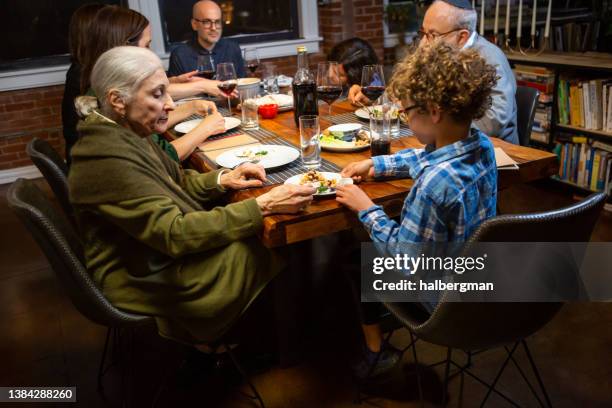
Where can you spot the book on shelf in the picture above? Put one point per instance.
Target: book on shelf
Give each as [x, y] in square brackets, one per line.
[585, 103]
[584, 162]
[542, 79]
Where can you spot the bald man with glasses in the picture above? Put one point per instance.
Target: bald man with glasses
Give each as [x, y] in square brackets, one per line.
[207, 23]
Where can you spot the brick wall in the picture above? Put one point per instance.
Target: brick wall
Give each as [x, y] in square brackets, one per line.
[29, 113]
[25, 114]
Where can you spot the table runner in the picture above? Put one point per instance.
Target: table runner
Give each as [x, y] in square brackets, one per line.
[350, 117]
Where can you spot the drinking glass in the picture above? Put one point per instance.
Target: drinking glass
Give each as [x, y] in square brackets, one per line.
[380, 131]
[372, 81]
[270, 80]
[205, 66]
[248, 106]
[227, 75]
[329, 87]
[251, 59]
[394, 117]
[309, 141]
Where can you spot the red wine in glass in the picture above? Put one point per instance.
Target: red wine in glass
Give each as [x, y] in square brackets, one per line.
[208, 74]
[252, 67]
[373, 92]
[380, 147]
[227, 87]
[329, 93]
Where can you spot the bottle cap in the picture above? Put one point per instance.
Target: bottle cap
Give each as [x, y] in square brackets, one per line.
[301, 48]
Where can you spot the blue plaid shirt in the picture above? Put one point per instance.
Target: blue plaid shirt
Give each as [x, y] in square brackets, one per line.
[454, 191]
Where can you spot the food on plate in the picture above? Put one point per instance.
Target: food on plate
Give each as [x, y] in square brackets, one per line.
[275, 99]
[378, 112]
[317, 180]
[332, 138]
[251, 154]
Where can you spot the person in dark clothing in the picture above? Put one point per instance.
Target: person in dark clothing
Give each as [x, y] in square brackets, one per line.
[207, 23]
[352, 55]
[80, 23]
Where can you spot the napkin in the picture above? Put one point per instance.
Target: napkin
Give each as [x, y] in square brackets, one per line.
[504, 162]
[214, 148]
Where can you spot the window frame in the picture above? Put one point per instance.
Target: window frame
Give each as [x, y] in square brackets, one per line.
[56, 75]
[391, 39]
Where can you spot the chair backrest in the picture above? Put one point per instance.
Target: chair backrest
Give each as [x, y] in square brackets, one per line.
[62, 247]
[475, 325]
[54, 169]
[526, 103]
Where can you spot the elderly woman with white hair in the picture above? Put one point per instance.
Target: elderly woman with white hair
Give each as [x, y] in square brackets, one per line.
[157, 239]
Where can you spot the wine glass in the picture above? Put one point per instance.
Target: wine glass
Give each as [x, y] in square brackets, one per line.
[372, 82]
[251, 59]
[329, 87]
[205, 66]
[227, 75]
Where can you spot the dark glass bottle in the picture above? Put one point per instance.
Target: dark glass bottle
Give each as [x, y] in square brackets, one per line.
[304, 89]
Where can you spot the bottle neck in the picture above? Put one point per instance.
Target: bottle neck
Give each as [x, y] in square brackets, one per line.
[302, 61]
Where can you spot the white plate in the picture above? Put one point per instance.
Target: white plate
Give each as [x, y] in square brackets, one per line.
[186, 127]
[362, 113]
[277, 156]
[344, 147]
[343, 181]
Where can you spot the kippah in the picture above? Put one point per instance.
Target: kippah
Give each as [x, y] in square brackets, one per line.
[462, 4]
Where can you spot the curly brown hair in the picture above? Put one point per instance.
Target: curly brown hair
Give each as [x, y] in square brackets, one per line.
[455, 80]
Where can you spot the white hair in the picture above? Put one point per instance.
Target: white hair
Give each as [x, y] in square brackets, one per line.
[461, 18]
[121, 69]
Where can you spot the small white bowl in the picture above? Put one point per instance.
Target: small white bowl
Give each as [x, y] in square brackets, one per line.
[248, 83]
[345, 131]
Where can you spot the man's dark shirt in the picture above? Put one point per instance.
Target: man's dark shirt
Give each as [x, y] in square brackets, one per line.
[184, 57]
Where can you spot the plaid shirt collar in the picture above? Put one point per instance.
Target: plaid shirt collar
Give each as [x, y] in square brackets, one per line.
[433, 156]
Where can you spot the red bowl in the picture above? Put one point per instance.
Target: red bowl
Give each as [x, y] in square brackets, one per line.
[268, 111]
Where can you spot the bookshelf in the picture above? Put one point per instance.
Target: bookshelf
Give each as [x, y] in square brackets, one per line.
[592, 61]
[568, 65]
[561, 63]
[590, 132]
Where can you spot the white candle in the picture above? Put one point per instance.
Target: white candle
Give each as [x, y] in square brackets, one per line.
[496, 23]
[482, 17]
[534, 17]
[507, 32]
[519, 27]
[548, 13]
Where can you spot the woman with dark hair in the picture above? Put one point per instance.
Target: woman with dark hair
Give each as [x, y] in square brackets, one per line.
[80, 26]
[116, 26]
[352, 55]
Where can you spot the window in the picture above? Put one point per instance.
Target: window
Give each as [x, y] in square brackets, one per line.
[245, 21]
[48, 68]
[35, 33]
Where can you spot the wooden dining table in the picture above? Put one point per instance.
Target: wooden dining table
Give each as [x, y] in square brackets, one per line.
[326, 216]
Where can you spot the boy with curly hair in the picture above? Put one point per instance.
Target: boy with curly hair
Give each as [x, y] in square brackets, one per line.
[442, 90]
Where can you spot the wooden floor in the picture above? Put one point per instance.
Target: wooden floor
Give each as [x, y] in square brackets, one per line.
[45, 341]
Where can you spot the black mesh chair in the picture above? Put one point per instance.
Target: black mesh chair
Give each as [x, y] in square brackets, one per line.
[62, 247]
[526, 103]
[54, 169]
[476, 326]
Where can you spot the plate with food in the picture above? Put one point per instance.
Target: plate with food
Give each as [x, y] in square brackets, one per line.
[325, 182]
[364, 113]
[269, 156]
[188, 126]
[353, 140]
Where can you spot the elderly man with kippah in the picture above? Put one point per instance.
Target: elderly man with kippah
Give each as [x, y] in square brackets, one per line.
[454, 22]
